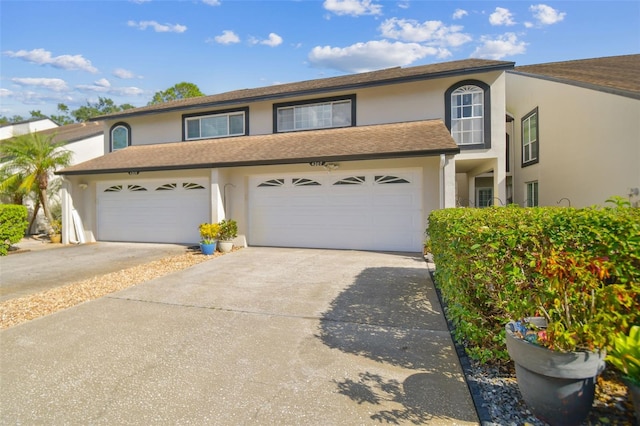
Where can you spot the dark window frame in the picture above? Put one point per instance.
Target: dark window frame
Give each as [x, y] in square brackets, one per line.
[486, 111]
[114, 127]
[526, 117]
[277, 106]
[227, 111]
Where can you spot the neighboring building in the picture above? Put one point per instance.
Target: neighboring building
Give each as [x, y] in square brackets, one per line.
[84, 140]
[575, 131]
[351, 162]
[29, 126]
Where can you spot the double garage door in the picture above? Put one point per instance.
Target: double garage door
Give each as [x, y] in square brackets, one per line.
[373, 210]
[165, 211]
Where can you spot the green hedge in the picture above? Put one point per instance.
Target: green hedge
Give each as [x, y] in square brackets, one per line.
[486, 259]
[13, 224]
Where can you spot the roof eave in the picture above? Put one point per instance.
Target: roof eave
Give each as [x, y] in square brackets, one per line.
[584, 85]
[250, 99]
[274, 162]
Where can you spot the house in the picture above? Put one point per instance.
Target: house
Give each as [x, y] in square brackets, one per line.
[574, 131]
[350, 162]
[28, 126]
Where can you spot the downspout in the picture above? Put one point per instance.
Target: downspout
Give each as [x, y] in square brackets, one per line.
[443, 162]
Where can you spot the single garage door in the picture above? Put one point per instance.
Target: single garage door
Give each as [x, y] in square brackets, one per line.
[372, 210]
[165, 211]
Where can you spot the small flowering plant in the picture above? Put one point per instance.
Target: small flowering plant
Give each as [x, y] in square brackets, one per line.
[209, 232]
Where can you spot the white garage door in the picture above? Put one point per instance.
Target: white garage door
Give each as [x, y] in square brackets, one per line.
[373, 210]
[166, 211]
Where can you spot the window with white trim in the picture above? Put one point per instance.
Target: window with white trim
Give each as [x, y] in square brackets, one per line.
[319, 115]
[120, 136]
[467, 115]
[215, 125]
[532, 194]
[530, 144]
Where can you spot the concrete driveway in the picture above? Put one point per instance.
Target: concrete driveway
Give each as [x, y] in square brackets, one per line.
[259, 336]
[40, 270]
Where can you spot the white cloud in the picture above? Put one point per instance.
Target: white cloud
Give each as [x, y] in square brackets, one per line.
[273, 40]
[54, 84]
[459, 14]
[352, 7]
[227, 37]
[362, 57]
[5, 93]
[159, 28]
[212, 2]
[103, 86]
[497, 48]
[123, 74]
[501, 16]
[103, 82]
[44, 57]
[432, 32]
[404, 5]
[545, 15]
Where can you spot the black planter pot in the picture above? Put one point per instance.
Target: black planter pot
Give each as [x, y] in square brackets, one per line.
[558, 387]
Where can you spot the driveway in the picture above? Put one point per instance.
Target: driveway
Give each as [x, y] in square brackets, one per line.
[39, 270]
[258, 336]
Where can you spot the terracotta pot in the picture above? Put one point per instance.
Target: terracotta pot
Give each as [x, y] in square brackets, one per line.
[56, 238]
[558, 387]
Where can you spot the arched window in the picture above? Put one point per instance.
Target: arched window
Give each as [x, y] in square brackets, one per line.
[468, 114]
[120, 136]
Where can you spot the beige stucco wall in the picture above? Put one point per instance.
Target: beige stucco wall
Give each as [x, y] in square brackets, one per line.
[589, 142]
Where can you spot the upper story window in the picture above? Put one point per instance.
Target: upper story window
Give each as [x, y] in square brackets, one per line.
[218, 125]
[120, 136]
[467, 114]
[318, 114]
[530, 144]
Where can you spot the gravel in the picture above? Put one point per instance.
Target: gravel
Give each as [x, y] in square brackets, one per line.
[21, 309]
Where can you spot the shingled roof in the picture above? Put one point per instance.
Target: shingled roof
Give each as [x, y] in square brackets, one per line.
[74, 132]
[347, 82]
[619, 75]
[397, 140]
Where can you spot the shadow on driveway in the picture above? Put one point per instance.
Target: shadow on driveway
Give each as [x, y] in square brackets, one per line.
[392, 316]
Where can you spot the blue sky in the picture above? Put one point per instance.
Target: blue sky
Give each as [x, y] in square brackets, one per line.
[72, 52]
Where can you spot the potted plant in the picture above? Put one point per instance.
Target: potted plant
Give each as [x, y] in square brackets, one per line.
[208, 237]
[624, 355]
[228, 231]
[559, 353]
[56, 231]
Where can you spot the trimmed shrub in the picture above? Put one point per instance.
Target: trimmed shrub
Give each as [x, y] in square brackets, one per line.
[13, 224]
[488, 260]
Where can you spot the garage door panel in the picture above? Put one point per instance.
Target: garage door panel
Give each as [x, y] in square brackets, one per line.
[371, 214]
[165, 212]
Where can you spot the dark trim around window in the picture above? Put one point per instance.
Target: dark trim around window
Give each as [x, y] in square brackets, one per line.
[351, 98]
[119, 124]
[486, 112]
[537, 159]
[216, 112]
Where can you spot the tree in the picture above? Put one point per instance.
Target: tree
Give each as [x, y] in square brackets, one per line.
[32, 158]
[179, 91]
[102, 107]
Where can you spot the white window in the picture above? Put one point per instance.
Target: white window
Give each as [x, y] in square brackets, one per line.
[485, 197]
[532, 194]
[215, 126]
[119, 137]
[467, 115]
[530, 138]
[314, 116]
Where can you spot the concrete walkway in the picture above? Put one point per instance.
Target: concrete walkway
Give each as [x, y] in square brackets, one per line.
[259, 336]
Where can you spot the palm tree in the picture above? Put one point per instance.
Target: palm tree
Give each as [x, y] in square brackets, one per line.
[30, 159]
